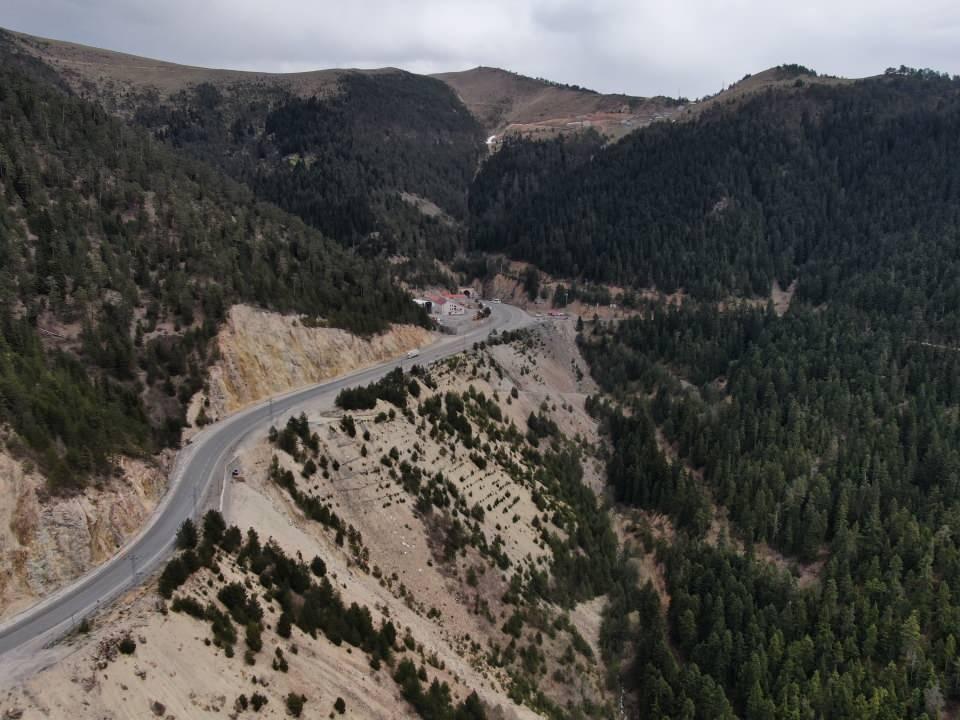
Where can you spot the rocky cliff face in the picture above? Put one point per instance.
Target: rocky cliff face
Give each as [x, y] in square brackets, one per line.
[45, 542]
[262, 353]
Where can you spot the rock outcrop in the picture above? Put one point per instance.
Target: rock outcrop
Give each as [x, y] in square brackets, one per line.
[45, 542]
[263, 353]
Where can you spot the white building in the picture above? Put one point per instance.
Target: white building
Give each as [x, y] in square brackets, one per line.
[444, 305]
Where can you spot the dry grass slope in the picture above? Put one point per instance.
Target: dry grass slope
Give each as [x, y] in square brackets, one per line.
[86, 67]
[507, 102]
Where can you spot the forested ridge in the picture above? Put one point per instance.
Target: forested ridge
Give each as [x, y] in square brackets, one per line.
[819, 182]
[138, 252]
[808, 463]
[827, 436]
[339, 161]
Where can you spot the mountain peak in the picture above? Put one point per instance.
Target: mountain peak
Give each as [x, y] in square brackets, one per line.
[508, 102]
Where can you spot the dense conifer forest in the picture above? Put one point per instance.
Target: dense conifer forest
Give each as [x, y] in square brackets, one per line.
[828, 435]
[339, 161]
[820, 183]
[808, 462]
[136, 253]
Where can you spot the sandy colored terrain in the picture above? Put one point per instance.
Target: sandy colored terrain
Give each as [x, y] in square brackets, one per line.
[398, 570]
[512, 104]
[508, 286]
[399, 540]
[174, 668]
[551, 371]
[47, 542]
[85, 66]
[263, 353]
[782, 297]
[630, 524]
[405, 570]
[397, 544]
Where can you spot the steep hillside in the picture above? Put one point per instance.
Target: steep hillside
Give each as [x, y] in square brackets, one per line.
[261, 353]
[434, 544]
[797, 463]
[341, 162]
[512, 104]
[801, 468]
[782, 78]
[46, 542]
[820, 182]
[341, 149]
[97, 73]
[118, 260]
[786, 470]
[750, 510]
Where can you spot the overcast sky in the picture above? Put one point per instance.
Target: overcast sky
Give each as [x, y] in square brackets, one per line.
[688, 47]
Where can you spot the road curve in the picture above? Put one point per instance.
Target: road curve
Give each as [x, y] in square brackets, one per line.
[200, 468]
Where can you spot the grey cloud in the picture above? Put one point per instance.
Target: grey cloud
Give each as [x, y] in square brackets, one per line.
[641, 47]
[567, 16]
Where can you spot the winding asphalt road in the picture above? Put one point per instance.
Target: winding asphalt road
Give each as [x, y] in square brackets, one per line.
[199, 471]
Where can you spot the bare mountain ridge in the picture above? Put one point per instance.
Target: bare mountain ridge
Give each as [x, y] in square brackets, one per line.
[501, 99]
[84, 66]
[783, 77]
[509, 103]
[503, 102]
[497, 98]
